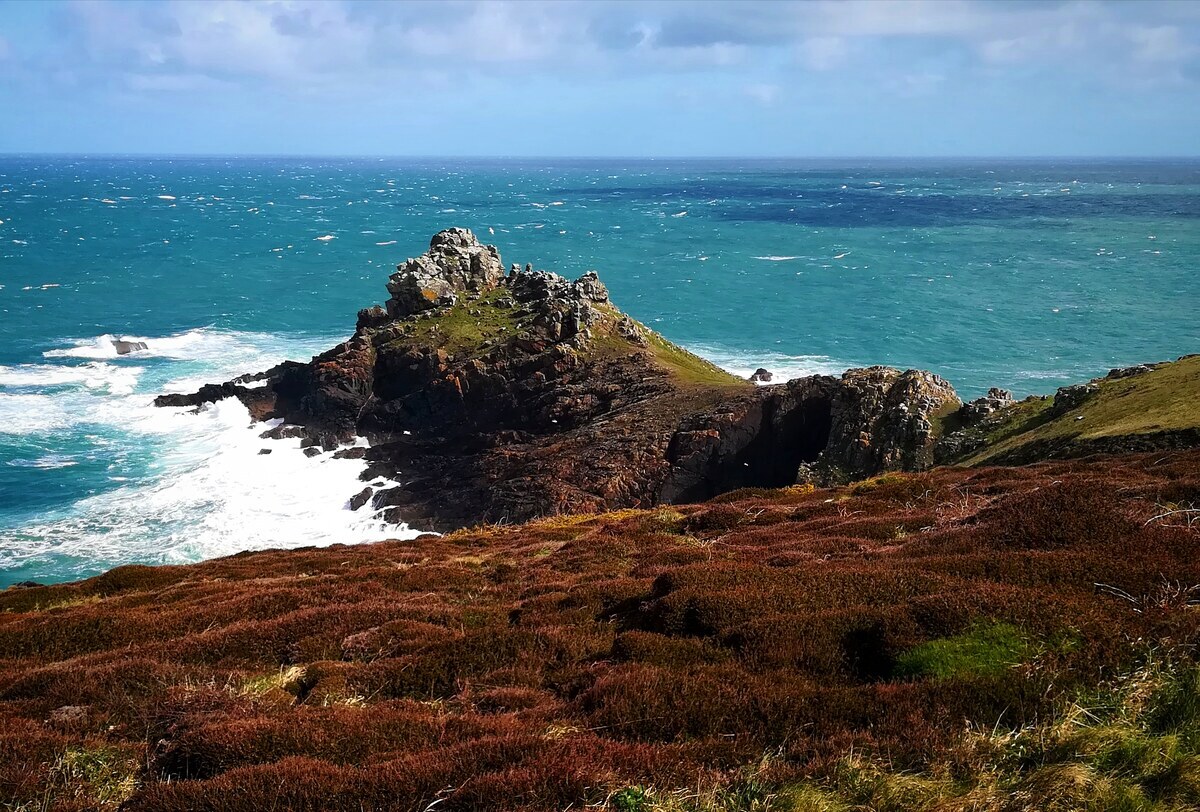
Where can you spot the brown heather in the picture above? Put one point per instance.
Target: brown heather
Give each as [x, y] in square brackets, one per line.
[931, 641]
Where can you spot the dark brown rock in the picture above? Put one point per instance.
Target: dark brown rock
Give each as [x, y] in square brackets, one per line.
[497, 398]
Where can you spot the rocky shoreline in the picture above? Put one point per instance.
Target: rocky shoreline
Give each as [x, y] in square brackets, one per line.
[502, 397]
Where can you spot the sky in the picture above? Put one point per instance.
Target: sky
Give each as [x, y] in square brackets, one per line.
[906, 78]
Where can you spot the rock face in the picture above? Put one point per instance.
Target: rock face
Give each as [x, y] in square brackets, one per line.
[496, 397]
[455, 263]
[989, 404]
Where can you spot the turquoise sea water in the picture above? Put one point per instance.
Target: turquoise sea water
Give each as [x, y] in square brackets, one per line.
[1026, 275]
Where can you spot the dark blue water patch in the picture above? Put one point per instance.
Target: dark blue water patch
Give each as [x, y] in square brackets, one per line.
[848, 209]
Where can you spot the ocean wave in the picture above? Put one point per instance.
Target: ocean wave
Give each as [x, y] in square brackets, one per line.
[783, 367]
[774, 258]
[204, 490]
[119, 380]
[214, 494]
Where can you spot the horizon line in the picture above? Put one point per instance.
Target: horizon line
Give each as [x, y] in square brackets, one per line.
[482, 157]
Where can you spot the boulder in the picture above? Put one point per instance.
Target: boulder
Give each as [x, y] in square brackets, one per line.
[761, 375]
[989, 404]
[455, 263]
[125, 347]
[361, 498]
[1072, 397]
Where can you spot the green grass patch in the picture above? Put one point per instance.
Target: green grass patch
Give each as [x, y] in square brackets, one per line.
[459, 331]
[689, 368]
[104, 777]
[1161, 400]
[984, 650]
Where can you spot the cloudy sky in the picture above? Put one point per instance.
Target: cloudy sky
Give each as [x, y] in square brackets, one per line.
[740, 78]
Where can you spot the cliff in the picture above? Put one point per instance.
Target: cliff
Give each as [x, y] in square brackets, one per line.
[496, 396]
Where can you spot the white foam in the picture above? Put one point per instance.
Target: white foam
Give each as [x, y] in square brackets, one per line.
[166, 197]
[774, 258]
[207, 491]
[215, 495]
[326, 238]
[782, 366]
[31, 414]
[118, 380]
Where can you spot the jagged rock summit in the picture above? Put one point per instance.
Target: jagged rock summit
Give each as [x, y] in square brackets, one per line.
[500, 397]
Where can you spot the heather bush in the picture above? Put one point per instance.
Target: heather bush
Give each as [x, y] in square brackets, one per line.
[728, 656]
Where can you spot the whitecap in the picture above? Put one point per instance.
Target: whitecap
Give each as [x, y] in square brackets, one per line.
[216, 495]
[31, 414]
[783, 367]
[166, 197]
[680, 214]
[112, 378]
[386, 242]
[777, 258]
[326, 238]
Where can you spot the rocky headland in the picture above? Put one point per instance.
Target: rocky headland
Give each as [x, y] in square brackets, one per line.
[974, 636]
[497, 396]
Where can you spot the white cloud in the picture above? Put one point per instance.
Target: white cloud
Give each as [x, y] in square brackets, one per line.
[823, 53]
[336, 45]
[764, 94]
[1164, 43]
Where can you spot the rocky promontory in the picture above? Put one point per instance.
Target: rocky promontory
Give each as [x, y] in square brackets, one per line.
[496, 396]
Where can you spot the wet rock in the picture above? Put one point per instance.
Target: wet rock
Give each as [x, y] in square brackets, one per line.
[209, 393]
[761, 375]
[354, 453]
[284, 432]
[126, 347]
[361, 498]
[312, 451]
[262, 451]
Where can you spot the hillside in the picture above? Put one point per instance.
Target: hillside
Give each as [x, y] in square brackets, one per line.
[1136, 409]
[984, 639]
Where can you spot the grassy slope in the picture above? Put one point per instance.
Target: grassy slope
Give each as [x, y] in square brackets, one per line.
[472, 326]
[929, 641]
[1165, 399]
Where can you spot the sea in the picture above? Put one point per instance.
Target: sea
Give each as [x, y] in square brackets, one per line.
[1026, 275]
